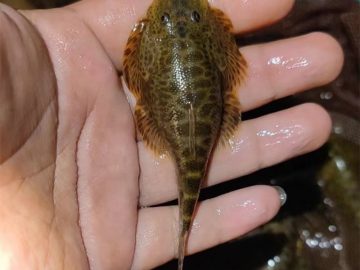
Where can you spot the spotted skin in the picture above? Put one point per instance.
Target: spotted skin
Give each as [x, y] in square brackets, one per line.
[182, 65]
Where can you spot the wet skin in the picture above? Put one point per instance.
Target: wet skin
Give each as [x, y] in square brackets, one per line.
[70, 178]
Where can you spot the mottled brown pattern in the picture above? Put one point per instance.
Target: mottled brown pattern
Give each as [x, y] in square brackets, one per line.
[182, 64]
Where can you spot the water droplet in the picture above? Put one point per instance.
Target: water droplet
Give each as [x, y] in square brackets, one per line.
[338, 247]
[305, 233]
[236, 144]
[324, 244]
[195, 225]
[328, 202]
[326, 95]
[312, 242]
[338, 130]
[271, 263]
[289, 63]
[340, 164]
[275, 60]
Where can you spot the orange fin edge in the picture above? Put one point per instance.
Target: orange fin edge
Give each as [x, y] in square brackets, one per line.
[234, 73]
[149, 131]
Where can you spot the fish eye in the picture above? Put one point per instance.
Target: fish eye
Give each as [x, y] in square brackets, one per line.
[195, 16]
[165, 18]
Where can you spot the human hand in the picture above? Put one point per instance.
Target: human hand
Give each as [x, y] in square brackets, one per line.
[72, 173]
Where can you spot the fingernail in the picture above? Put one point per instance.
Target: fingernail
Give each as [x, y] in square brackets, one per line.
[282, 194]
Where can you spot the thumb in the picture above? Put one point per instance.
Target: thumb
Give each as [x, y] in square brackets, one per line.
[27, 94]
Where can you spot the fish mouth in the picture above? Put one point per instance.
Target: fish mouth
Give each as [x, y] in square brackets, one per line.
[181, 29]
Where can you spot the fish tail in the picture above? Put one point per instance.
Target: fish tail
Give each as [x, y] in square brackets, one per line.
[182, 247]
[189, 193]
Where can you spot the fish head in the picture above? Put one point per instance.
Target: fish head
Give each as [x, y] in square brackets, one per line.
[178, 18]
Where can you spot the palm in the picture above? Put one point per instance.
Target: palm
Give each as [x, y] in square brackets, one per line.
[72, 173]
[74, 137]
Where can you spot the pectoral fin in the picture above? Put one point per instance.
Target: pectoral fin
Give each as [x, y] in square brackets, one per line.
[232, 66]
[134, 73]
[137, 79]
[148, 130]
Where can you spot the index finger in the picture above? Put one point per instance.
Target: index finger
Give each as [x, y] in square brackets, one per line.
[112, 20]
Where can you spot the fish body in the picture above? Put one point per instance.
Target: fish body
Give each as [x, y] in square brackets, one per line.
[182, 65]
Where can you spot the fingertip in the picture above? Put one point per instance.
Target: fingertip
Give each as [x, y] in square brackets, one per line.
[249, 15]
[271, 198]
[321, 124]
[287, 6]
[286, 67]
[337, 56]
[332, 58]
[314, 126]
[243, 210]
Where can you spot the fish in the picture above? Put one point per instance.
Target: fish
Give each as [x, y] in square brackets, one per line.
[183, 66]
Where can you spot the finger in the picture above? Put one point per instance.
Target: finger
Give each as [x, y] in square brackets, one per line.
[218, 220]
[250, 15]
[113, 20]
[257, 144]
[281, 68]
[26, 108]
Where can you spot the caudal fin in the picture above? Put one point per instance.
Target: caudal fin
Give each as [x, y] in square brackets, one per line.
[187, 204]
[182, 248]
